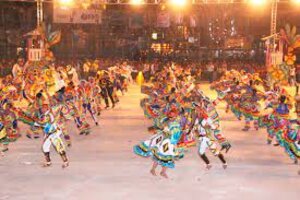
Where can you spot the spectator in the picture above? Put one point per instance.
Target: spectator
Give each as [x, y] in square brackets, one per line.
[210, 70]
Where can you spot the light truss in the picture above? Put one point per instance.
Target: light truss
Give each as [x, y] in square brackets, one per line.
[150, 2]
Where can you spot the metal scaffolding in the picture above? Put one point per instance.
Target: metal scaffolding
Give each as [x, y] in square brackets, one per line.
[39, 12]
[273, 31]
[274, 5]
[152, 2]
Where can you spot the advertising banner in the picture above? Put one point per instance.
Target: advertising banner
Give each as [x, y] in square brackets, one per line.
[61, 15]
[81, 16]
[77, 16]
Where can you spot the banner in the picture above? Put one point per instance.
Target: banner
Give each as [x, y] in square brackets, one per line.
[237, 42]
[81, 16]
[54, 38]
[163, 19]
[61, 15]
[77, 16]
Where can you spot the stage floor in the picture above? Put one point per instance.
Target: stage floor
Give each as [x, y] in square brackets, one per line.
[103, 165]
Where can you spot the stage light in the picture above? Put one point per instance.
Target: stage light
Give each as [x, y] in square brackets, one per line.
[178, 2]
[66, 3]
[154, 36]
[137, 2]
[296, 1]
[85, 5]
[257, 2]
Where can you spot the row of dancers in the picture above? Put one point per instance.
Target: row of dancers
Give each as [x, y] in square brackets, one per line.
[182, 115]
[48, 99]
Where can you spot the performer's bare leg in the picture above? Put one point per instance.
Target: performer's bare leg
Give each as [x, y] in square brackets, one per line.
[48, 160]
[163, 172]
[205, 159]
[221, 157]
[154, 166]
[65, 159]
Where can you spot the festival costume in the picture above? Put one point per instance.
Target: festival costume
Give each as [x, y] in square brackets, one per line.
[144, 149]
[80, 121]
[4, 140]
[267, 121]
[166, 152]
[68, 110]
[250, 108]
[64, 114]
[285, 135]
[96, 99]
[188, 132]
[162, 99]
[85, 93]
[278, 123]
[291, 142]
[52, 133]
[209, 134]
[9, 120]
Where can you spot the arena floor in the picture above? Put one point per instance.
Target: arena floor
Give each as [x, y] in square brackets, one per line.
[103, 166]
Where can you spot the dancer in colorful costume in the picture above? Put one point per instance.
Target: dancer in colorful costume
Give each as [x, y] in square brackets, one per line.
[285, 131]
[85, 93]
[207, 123]
[144, 148]
[165, 152]
[52, 135]
[4, 141]
[250, 106]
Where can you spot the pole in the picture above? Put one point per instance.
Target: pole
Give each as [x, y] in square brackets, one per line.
[274, 22]
[72, 43]
[39, 12]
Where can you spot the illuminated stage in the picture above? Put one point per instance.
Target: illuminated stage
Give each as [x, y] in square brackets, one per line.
[103, 165]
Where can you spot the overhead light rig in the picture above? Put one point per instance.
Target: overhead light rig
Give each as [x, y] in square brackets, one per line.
[159, 2]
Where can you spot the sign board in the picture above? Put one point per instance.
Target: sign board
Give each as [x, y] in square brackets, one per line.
[237, 42]
[35, 54]
[61, 15]
[77, 16]
[81, 16]
[277, 58]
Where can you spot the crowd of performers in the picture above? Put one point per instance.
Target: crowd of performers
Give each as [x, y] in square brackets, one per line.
[271, 107]
[182, 114]
[46, 98]
[268, 106]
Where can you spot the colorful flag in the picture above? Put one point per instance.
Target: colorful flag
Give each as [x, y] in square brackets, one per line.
[54, 38]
